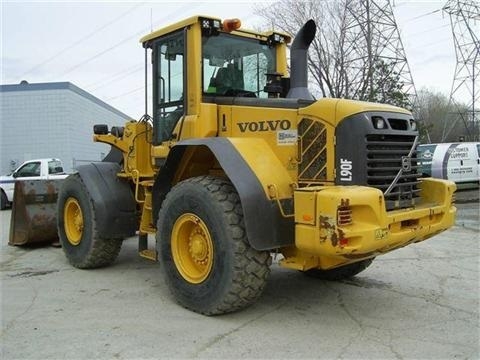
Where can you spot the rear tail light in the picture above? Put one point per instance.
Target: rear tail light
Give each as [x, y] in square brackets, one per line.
[344, 213]
[343, 242]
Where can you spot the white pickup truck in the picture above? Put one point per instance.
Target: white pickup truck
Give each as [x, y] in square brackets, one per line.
[38, 169]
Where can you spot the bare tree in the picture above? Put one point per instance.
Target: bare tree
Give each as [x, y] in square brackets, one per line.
[325, 55]
[434, 110]
[336, 61]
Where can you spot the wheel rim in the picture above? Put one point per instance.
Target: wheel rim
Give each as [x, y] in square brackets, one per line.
[73, 220]
[192, 248]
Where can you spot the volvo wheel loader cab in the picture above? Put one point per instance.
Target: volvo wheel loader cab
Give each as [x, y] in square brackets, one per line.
[239, 161]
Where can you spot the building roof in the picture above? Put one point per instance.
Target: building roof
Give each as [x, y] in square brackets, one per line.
[25, 86]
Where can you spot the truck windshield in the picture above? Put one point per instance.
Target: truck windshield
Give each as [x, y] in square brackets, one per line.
[236, 66]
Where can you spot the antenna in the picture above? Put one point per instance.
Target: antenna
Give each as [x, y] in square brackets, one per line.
[151, 19]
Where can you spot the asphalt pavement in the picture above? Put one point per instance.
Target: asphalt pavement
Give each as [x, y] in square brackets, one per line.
[419, 302]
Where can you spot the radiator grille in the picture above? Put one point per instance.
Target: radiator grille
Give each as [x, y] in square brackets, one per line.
[384, 160]
[312, 167]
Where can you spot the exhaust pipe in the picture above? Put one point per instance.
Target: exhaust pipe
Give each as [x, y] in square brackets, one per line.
[298, 62]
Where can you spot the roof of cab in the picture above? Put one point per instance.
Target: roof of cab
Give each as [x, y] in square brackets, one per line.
[172, 27]
[195, 19]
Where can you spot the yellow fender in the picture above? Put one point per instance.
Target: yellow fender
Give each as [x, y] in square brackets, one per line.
[264, 186]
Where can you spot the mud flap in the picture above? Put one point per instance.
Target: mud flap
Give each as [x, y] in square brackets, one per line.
[34, 207]
[113, 200]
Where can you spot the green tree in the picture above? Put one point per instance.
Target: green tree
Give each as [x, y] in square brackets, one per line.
[387, 86]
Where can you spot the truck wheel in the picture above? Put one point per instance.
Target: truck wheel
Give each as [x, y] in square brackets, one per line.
[340, 273]
[206, 258]
[77, 228]
[3, 200]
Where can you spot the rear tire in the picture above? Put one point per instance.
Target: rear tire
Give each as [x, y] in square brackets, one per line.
[340, 273]
[3, 200]
[77, 229]
[207, 260]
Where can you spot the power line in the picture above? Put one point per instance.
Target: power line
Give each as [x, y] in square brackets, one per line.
[101, 53]
[126, 93]
[430, 44]
[78, 42]
[428, 30]
[115, 77]
[423, 15]
[144, 30]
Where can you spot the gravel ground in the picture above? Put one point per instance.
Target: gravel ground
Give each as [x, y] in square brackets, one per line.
[421, 301]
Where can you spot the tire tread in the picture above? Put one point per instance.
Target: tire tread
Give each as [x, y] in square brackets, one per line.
[102, 252]
[251, 267]
[342, 272]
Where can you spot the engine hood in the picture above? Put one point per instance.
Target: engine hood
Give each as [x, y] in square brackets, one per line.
[333, 111]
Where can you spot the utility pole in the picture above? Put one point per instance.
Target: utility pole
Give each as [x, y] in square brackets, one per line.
[372, 22]
[465, 23]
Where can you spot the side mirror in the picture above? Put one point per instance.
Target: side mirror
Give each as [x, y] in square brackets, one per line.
[14, 174]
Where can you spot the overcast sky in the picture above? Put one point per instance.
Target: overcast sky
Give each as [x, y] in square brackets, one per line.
[95, 45]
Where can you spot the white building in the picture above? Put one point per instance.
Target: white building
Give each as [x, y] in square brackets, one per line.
[51, 120]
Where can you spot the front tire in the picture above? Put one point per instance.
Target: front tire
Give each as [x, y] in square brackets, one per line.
[207, 260]
[77, 229]
[340, 273]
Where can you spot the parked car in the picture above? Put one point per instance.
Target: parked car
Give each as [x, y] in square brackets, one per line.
[37, 169]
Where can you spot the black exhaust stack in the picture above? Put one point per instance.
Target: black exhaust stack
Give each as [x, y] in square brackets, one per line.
[298, 62]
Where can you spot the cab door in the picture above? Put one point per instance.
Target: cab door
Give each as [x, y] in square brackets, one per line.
[169, 86]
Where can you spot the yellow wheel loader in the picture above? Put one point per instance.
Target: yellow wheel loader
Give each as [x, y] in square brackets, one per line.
[239, 161]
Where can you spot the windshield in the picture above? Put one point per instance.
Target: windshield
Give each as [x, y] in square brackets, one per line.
[233, 65]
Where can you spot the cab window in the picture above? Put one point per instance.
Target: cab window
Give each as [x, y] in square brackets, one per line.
[236, 66]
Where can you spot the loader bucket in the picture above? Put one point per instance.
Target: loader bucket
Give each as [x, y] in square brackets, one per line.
[34, 208]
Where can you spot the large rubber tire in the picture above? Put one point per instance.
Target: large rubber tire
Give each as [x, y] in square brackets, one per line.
[77, 228]
[227, 274]
[3, 200]
[340, 273]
